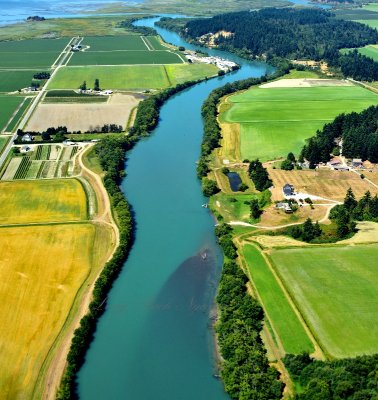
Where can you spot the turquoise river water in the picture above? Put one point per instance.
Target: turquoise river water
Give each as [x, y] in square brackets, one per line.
[155, 342]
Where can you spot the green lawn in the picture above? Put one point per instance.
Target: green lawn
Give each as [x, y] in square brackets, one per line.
[8, 105]
[336, 290]
[109, 43]
[373, 23]
[284, 320]
[121, 57]
[275, 121]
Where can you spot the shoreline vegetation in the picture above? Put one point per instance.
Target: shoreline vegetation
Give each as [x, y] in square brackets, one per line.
[111, 153]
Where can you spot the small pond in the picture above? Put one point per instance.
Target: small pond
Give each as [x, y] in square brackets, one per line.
[235, 180]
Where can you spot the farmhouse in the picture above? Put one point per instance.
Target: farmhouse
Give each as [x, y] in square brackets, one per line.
[288, 190]
[27, 138]
[284, 206]
[357, 163]
[335, 162]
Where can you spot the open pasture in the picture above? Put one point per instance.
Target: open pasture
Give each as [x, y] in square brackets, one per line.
[320, 182]
[42, 270]
[125, 57]
[131, 77]
[111, 43]
[83, 116]
[24, 54]
[281, 314]
[11, 81]
[8, 106]
[276, 120]
[370, 51]
[335, 288]
[42, 201]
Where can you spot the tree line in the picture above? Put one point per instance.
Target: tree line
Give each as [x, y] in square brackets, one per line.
[245, 371]
[358, 132]
[285, 32]
[347, 379]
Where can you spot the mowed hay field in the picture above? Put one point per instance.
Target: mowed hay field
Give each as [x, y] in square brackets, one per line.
[276, 120]
[324, 183]
[8, 105]
[42, 201]
[131, 77]
[284, 321]
[42, 270]
[36, 53]
[83, 116]
[335, 288]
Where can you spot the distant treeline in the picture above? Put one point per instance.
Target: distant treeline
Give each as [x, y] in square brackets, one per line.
[289, 32]
[142, 30]
[347, 379]
[111, 152]
[358, 132]
[245, 370]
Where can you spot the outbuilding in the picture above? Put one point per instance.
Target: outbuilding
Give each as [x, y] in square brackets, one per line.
[288, 190]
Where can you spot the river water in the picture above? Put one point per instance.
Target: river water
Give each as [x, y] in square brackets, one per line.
[154, 341]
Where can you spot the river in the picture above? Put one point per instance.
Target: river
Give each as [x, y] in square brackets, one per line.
[154, 341]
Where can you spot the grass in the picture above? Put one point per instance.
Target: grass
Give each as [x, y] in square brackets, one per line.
[45, 267]
[275, 121]
[37, 53]
[3, 142]
[285, 322]
[110, 43]
[124, 57]
[42, 201]
[11, 81]
[13, 124]
[336, 291]
[370, 51]
[131, 77]
[8, 105]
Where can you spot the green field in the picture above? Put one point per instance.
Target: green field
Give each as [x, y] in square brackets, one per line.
[11, 81]
[370, 51]
[336, 290]
[8, 105]
[275, 121]
[37, 53]
[131, 77]
[126, 57]
[111, 43]
[3, 142]
[282, 316]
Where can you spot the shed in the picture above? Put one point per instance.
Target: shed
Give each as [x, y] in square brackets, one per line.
[288, 190]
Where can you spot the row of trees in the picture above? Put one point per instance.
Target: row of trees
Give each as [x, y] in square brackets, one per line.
[245, 370]
[96, 86]
[347, 379]
[286, 32]
[358, 132]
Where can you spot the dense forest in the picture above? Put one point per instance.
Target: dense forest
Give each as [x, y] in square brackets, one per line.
[245, 370]
[359, 132]
[347, 379]
[289, 32]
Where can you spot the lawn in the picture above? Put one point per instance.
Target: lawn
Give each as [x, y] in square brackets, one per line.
[125, 57]
[43, 268]
[277, 120]
[42, 201]
[281, 314]
[8, 105]
[336, 290]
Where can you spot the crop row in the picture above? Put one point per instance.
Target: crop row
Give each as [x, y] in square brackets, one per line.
[23, 168]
